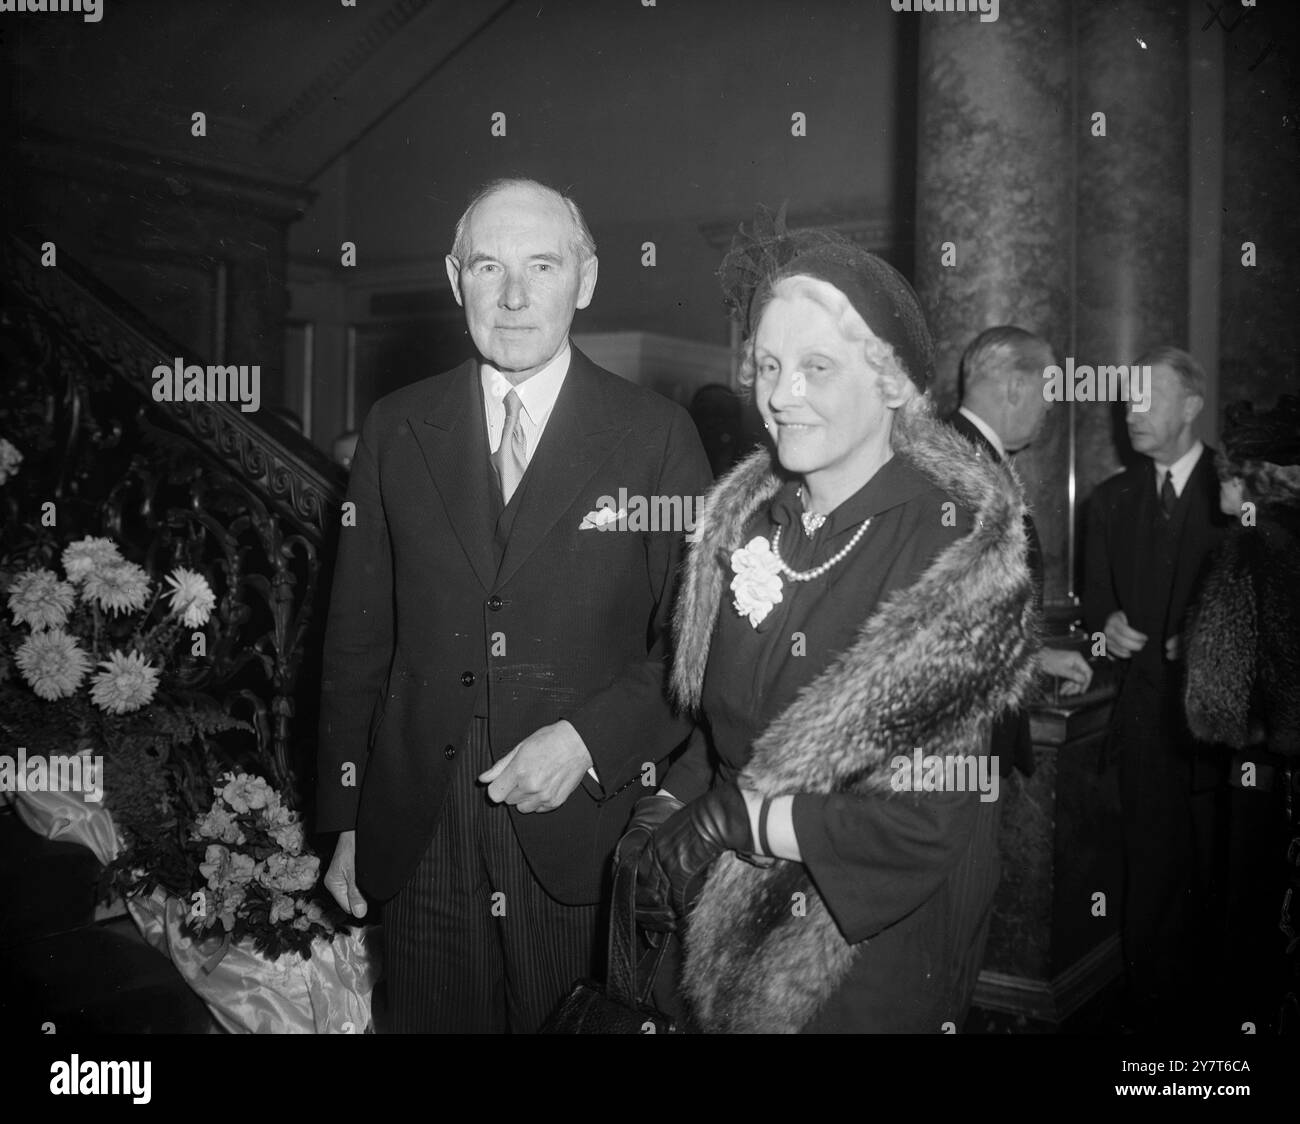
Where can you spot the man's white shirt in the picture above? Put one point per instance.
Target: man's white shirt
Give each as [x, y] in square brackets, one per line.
[1181, 469]
[537, 395]
[986, 429]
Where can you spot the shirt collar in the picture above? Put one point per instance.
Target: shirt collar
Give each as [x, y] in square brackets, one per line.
[989, 432]
[895, 482]
[1181, 469]
[537, 393]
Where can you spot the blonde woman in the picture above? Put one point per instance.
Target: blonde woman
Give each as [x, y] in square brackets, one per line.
[858, 602]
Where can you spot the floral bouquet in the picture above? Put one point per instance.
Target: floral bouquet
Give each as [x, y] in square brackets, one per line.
[259, 872]
[101, 659]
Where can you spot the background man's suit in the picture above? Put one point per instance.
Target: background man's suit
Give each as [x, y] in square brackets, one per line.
[454, 621]
[1011, 741]
[1150, 568]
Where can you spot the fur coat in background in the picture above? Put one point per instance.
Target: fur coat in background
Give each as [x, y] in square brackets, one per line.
[931, 667]
[1243, 648]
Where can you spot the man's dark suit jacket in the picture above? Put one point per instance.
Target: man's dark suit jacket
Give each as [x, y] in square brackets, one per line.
[430, 622]
[1012, 742]
[1117, 564]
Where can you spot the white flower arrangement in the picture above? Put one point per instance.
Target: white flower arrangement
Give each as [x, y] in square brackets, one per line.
[67, 634]
[756, 588]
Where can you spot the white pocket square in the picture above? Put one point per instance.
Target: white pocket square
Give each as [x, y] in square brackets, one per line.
[601, 517]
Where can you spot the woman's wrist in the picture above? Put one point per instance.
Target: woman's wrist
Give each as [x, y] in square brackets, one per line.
[772, 829]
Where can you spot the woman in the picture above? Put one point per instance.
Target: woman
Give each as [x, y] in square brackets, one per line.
[863, 596]
[1243, 691]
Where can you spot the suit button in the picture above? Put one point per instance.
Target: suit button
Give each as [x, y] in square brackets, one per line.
[495, 603]
[449, 751]
[467, 678]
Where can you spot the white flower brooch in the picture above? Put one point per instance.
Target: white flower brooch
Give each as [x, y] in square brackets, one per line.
[757, 584]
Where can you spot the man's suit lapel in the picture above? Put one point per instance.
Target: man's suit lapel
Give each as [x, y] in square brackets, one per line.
[452, 435]
[582, 432]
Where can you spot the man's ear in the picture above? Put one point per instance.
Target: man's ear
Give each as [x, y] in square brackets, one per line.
[453, 275]
[587, 281]
[1193, 404]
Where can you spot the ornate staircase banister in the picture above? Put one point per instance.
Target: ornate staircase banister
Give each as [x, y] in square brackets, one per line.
[297, 479]
[197, 483]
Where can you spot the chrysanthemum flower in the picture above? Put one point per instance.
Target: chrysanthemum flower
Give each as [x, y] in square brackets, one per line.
[122, 587]
[38, 599]
[191, 597]
[52, 663]
[127, 683]
[82, 558]
[10, 459]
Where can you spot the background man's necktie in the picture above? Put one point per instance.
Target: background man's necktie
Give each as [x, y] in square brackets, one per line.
[511, 457]
[1168, 497]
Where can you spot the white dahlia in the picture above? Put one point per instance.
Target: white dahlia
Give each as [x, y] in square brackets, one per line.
[122, 587]
[192, 598]
[80, 559]
[52, 663]
[39, 599]
[127, 683]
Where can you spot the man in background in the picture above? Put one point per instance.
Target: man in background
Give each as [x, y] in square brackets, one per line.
[1151, 530]
[1003, 410]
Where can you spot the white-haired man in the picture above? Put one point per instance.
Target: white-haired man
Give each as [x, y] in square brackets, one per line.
[490, 648]
[1151, 531]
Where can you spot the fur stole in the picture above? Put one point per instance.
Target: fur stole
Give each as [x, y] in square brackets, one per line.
[1243, 648]
[931, 667]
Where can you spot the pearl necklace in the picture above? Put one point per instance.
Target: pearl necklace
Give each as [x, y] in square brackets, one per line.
[816, 571]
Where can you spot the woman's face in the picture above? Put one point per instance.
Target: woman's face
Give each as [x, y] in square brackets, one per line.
[819, 397]
[1232, 494]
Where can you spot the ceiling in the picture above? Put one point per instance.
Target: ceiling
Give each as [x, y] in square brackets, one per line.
[286, 87]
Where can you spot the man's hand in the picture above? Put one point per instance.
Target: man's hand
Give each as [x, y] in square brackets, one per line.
[539, 774]
[341, 878]
[1174, 647]
[1062, 663]
[1121, 640]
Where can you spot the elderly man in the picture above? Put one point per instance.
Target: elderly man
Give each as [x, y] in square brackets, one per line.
[494, 642]
[1151, 531]
[1003, 409]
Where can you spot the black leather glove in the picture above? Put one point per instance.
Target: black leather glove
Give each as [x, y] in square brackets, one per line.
[672, 869]
[648, 814]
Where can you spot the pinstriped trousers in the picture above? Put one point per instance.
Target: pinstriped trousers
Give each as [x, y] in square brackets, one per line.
[472, 943]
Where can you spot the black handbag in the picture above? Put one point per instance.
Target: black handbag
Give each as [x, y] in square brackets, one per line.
[618, 1006]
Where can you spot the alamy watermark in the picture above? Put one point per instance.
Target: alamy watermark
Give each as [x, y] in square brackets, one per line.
[92, 11]
[946, 772]
[643, 513]
[1104, 383]
[181, 383]
[988, 9]
[78, 772]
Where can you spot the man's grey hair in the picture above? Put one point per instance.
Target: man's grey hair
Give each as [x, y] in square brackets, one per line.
[998, 351]
[584, 245]
[1190, 373]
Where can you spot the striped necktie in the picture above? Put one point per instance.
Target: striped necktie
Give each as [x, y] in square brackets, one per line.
[511, 458]
[1168, 497]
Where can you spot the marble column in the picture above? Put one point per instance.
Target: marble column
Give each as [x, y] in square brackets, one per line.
[1131, 231]
[993, 179]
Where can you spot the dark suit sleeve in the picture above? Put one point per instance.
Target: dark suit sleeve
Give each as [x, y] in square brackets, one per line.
[691, 774]
[358, 641]
[876, 858]
[631, 721]
[1099, 599]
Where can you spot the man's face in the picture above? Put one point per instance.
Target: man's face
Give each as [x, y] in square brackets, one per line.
[1156, 432]
[521, 279]
[1029, 404]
